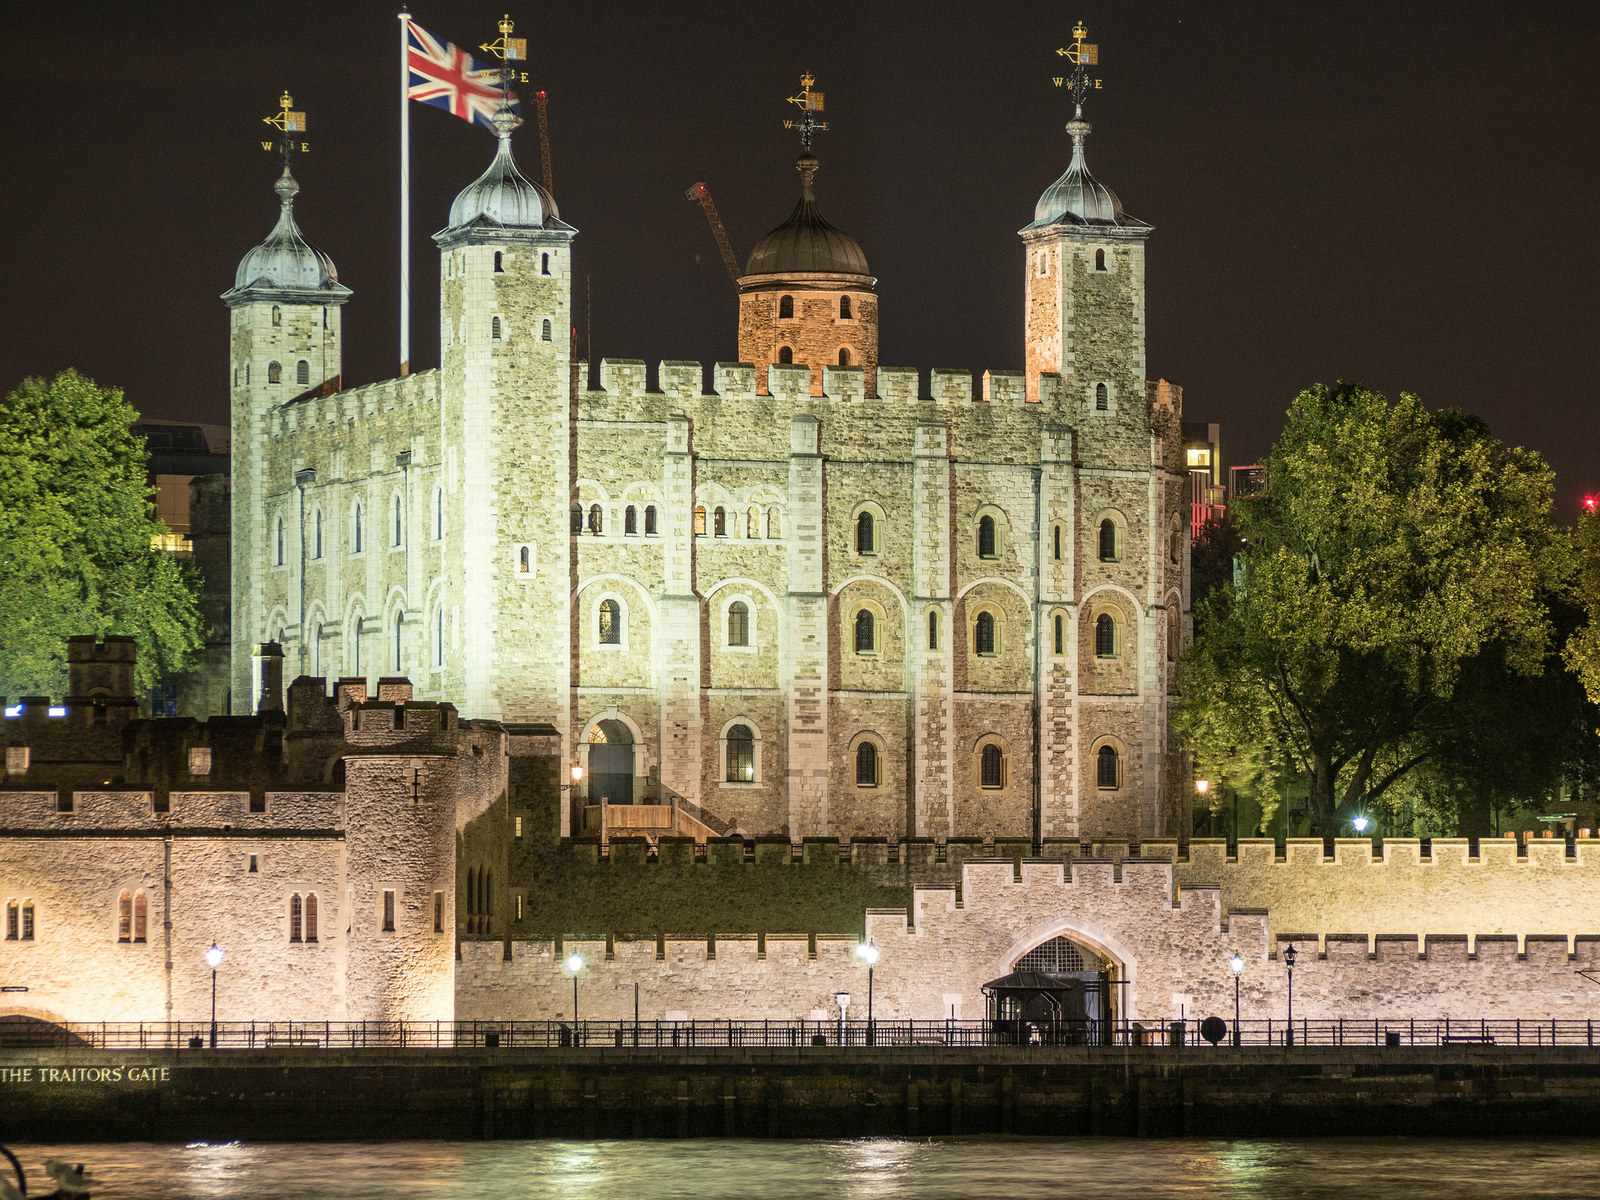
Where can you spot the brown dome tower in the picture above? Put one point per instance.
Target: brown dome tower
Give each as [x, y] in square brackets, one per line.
[806, 295]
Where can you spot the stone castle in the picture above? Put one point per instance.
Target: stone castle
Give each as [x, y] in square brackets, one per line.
[826, 597]
[747, 675]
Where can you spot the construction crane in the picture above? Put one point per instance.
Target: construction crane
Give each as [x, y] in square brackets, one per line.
[699, 194]
[544, 141]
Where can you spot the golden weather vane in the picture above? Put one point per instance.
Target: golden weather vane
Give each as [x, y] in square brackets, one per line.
[508, 50]
[288, 123]
[1081, 54]
[809, 102]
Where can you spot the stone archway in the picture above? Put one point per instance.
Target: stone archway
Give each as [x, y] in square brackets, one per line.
[611, 762]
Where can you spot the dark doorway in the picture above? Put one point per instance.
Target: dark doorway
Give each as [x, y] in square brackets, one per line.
[611, 763]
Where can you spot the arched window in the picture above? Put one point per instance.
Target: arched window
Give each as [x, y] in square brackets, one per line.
[866, 765]
[1172, 633]
[630, 519]
[472, 895]
[318, 535]
[866, 632]
[125, 917]
[356, 541]
[1061, 634]
[864, 542]
[700, 520]
[438, 513]
[296, 917]
[983, 634]
[141, 916]
[399, 529]
[786, 306]
[278, 553]
[438, 635]
[719, 521]
[27, 920]
[399, 626]
[844, 356]
[992, 767]
[752, 523]
[13, 911]
[785, 354]
[774, 523]
[844, 307]
[741, 755]
[1055, 543]
[544, 264]
[1105, 636]
[277, 315]
[1099, 260]
[524, 560]
[1174, 546]
[488, 893]
[933, 629]
[596, 520]
[546, 334]
[1105, 767]
[1108, 540]
[499, 268]
[1102, 397]
[649, 519]
[302, 372]
[577, 517]
[494, 328]
[311, 917]
[738, 624]
[274, 373]
[986, 538]
[610, 623]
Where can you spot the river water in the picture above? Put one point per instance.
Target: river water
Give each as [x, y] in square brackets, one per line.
[868, 1169]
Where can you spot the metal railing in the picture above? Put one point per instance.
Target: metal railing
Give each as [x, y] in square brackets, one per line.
[785, 1035]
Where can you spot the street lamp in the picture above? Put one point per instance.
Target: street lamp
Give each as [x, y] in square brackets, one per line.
[214, 957]
[1288, 961]
[577, 773]
[868, 954]
[1360, 824]
[842, 999]
[1237, 964]
[1201, 787]
[573, 965]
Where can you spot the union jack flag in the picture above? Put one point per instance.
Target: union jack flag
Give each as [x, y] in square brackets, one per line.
[447, 77]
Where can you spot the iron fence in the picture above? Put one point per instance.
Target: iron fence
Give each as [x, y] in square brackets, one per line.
[784, 1035]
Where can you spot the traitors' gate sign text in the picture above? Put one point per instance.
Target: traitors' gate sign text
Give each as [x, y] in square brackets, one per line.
[55, 1075]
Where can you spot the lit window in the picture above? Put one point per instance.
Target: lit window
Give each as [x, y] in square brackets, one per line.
[274, 373]
[700, 520]
[866, 632]
[983, 634]
[986, 538]
[125, 917]
[864, 542]
[13, 912]
[741, 755]
[311, 918]
[295, 917]
[992, 767]
[1105, 770]
[1108, 540]
[738, 623]
[866, 765]
[27, 921]
[596, 519]
[610, 623]
[1105, 636]
[141, 916]
[1198, 456]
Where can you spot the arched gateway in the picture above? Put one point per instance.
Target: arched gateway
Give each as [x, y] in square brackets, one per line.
[1059, 992]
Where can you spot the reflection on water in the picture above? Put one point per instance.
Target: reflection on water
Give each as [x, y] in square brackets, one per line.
[869, 1169]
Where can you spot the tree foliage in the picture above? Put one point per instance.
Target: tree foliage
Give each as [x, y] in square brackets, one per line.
[1583, 648]
[1397, 569]
[76, 522]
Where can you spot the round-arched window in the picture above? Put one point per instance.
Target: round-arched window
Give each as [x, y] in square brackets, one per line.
[1106, 767]
[866, 765]
[610, 623]
[741, 755]
[866, 632]
[738, 624]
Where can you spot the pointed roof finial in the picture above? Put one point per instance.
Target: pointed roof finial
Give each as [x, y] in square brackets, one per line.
[288, 123]
[508, 50]
[809, 102]
[1081, 54]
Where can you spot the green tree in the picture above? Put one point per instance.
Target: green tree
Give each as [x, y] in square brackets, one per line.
[1583, 649]
[76, 522]
[1391, 550]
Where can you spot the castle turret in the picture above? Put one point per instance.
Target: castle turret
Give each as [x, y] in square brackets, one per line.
[806, 295]
[284, 342]
[505, 316]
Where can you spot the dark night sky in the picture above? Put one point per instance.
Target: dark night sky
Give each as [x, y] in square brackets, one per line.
[1397, 194]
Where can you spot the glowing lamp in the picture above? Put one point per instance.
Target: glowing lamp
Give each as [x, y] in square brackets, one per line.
[1236, 964]
[577, 773]
[214, 956]
[574, 963]
[867, 954]
[1202, 786]
[1591, 502]
[1361, 824]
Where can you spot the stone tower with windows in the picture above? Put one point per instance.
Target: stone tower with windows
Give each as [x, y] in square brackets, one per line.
[806, 296]
[505, 410]
[283, 342]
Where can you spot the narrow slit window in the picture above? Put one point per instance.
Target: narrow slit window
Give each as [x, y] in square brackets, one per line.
[738, 623]
[302, 373]
[719, 521]
[141, 916]
[577, 518]
[296, 916]
[399, 531]
[933, 631]
[1099, 260]
[630, 520]
[13, 912]
[986, 538]
[311, 917]
[610, 623]
[1108, 540]
[494, 328]
[992, 767]
[545, 335]
[596, 519]
[1102, 398]
[356, 541]
[544, 264]
[866, 632]
[1105, 636]
[499, 266]
[388, 910]
[524, 560]
[866, 765]
[318, 535]
[438, 912]
[1105, 768]
[1055, 538]
[1061, 629]
[649, 519]
[864, 531]
[27, 921]
[278, 552]
[125, 917]
[983, 634]
[700, 520]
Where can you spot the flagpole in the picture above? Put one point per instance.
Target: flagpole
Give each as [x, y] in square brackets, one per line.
[405, 199]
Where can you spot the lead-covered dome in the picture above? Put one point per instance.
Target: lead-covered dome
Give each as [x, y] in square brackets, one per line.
[502, 195]
[806, 241]
[1078, 197]
[286, 262]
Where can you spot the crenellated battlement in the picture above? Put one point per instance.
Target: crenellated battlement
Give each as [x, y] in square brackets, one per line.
[356, 405]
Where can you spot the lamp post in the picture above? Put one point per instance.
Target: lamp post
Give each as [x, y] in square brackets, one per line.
[1288, 961]
[1360, 824]
[1201, 787]
[868, 954]
[214, 957]
[842, 999]
[1237, 964]
[573, 965]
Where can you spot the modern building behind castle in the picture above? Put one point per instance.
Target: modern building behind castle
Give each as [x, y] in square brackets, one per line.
[827, 597]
